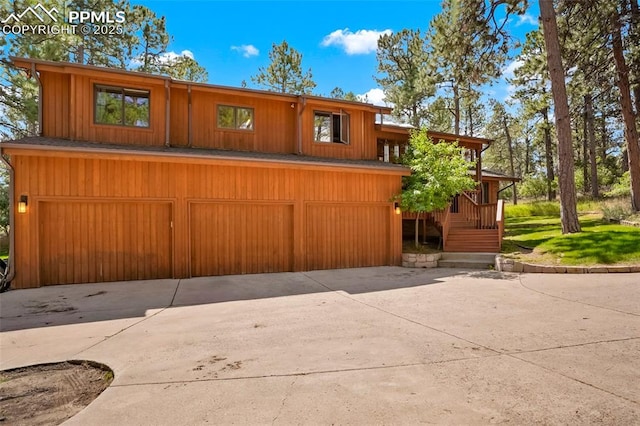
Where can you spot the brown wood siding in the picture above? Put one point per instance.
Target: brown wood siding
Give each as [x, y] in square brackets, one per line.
[274, 127]
[85, 242]
[68, 111]
[240, 238]
[55, 104]
[347, 236]
[74, 177]
[179, 118]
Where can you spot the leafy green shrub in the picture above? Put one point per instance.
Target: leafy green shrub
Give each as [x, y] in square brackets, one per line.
[622, 187]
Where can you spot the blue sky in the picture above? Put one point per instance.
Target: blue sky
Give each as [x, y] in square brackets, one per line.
[232, 39]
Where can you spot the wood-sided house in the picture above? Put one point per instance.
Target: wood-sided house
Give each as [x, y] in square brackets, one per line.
[137, 176]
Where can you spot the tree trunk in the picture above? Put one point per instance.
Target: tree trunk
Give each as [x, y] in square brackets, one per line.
[456, 110]
[605, 139]
[568, 210]
[527, 155]
[591, 143]
[548, 153]
[630, 130]
[417, 229]
[635, 30]
[510, 146]
[585, 154]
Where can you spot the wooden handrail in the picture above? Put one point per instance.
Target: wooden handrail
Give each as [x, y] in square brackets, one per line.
[500, 221]
[446, 222]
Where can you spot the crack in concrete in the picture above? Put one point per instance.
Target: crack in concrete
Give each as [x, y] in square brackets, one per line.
[307, 373]
[574, 301]
[577, 345]
[284, 400]
[403, 318]
[573, 379]
[106, 338]
[511, 355]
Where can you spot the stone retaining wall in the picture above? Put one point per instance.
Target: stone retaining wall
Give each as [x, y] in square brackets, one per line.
[420, 260]
[510, 265]
[629, 223]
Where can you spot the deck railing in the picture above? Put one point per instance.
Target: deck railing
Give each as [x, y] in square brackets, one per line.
[500, 221]
[445, 220]
[468, 208]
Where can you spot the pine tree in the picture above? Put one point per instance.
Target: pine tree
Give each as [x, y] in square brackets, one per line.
[404, 78]
[568, 209]
[284, 73]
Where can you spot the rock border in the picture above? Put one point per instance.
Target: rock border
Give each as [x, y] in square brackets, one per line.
[504, 264]
[629, 223]
[420, 260]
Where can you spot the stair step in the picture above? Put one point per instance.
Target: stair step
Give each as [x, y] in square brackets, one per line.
[465, 264]
[472, 256]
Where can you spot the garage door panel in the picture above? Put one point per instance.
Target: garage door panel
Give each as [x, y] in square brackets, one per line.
[83, 242]
[347, 236]
[237, 238]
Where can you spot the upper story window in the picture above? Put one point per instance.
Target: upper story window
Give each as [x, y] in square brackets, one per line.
[238, 118]
[331, 127]
[121, 106]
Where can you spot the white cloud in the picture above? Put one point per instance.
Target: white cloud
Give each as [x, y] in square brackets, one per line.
[165, 58]
[374, 96]
[509, 70]
[359, 43]
[527, 19]
[247, 50]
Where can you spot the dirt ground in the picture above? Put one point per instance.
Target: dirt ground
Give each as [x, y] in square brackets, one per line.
[49, 394]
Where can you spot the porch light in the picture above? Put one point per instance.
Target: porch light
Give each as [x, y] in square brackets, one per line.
[396, 207]
[22, 204]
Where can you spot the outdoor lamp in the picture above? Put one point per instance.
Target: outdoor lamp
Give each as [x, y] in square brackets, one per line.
[397, 207]
[22, 204]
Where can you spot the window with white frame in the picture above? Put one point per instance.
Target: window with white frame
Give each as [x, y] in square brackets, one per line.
[331, 127]
[232, 117]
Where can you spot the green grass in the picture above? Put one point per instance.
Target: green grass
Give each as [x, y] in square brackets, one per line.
[539, 239]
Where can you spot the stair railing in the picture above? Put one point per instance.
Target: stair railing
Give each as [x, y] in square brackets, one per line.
[500, 222]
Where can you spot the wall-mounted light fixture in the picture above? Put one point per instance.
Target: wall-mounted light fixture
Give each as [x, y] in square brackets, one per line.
[22, 204]
[396, 207]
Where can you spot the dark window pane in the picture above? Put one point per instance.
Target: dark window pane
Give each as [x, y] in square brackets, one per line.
[226, 117]
[108, 106]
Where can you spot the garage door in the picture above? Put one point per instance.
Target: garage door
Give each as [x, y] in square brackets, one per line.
[347, 236]
[238, 238]
[83, 242]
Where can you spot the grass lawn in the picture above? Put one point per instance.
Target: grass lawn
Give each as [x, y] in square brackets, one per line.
[538, 239]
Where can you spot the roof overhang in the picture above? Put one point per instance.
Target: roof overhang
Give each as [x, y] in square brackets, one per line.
[38, 146]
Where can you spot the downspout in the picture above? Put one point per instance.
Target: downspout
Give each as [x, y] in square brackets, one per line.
[189, 121]
[167, 115]
[10, 272]
[37, 77]
[300, 111]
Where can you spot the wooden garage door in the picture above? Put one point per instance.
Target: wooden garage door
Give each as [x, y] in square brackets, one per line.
[238, 238]
[83, 242]
[347, 236]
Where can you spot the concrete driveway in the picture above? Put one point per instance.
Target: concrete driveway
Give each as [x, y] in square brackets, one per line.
[358, 346]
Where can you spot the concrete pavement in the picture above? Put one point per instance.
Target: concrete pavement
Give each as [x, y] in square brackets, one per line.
[356, 346]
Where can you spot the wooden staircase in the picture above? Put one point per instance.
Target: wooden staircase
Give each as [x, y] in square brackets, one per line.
[469, 226]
